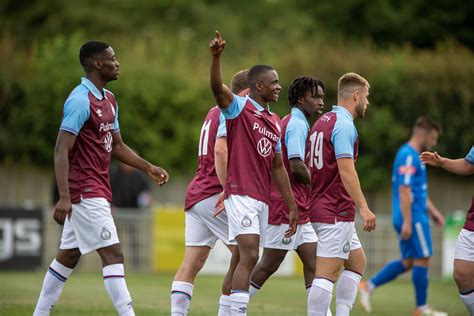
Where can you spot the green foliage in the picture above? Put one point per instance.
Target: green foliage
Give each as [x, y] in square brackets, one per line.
[163, 90]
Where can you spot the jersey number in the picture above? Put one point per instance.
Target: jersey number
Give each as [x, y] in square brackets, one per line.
[204, 138]
[316, 159]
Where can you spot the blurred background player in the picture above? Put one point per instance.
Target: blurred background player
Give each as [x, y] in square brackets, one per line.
[88, 135]
[202, 228]
[254, 158]
[335, 188]
[411, 210]
[464, 253]
[305, 95]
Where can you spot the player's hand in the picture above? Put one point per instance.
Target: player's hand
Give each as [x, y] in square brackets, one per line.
[368, 218]
[219, 205]
[217, 45]
[62, 209]
[433, 159]
[438, 218]
[159, 175]
[405, 234]
[293, 222]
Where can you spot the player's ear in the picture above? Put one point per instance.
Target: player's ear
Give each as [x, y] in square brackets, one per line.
[259, 86]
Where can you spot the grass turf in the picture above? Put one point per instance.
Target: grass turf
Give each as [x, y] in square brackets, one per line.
[85, 294]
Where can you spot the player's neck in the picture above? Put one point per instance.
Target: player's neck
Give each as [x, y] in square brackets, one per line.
[414, 143]
[349, 107]
[259, 100]
[98, 83]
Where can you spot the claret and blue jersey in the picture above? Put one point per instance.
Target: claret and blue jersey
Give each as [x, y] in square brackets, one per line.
[92, 116]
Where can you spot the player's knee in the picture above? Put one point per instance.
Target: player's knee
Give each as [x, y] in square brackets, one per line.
[249, 259]
[69, 257]
[460, 276]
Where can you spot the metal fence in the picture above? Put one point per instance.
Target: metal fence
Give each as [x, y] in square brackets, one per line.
[135, 228]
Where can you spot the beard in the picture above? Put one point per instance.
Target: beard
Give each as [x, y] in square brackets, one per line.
[360, 110]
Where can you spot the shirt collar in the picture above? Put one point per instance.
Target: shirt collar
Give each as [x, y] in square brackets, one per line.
[295, 111]
[92, 88]
[343, 111]
[258, 106]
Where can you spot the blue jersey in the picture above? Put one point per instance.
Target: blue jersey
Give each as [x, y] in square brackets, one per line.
[408, 170]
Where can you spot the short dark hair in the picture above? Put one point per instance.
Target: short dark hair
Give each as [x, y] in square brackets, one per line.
[255, 72]
[300, 85]
[426, 124]
[90, 49]
[240, 81]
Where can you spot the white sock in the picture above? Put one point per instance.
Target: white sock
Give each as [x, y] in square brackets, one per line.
[224, 305]
[181, 294]
[114, 281]
[238, 303]
[468, 300]
[253, 289]
[319, 297]
[346, 292]
[53, 285]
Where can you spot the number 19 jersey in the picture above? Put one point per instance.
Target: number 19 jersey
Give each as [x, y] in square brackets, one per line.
[332, 137]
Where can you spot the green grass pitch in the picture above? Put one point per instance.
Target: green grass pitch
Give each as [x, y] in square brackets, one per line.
[85, 294]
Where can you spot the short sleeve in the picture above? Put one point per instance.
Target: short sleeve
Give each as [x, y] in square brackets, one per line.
[76, 113]
[470, 156]
[221, 130]
[295, 139]
[406, 168]
[278, 147]
[343, 139]
[116, 121]
[235, 107]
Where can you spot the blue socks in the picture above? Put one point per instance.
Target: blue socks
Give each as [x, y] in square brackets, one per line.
[389, 272]
[420, 281]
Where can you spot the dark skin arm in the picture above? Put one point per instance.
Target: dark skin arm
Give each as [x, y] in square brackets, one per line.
[300, 171]
[222, 93]
[280, 178]
[126, 155]
[64, 144]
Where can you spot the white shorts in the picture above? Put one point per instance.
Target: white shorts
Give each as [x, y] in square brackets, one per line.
[336, 240]
[91, 226]
[203, 229]
[246, 216]
[275, 238]
[465, 246]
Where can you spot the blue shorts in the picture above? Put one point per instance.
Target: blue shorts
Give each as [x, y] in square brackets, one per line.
[419, 245]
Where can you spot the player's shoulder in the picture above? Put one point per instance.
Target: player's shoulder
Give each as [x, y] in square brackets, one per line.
[297, 123]
[78, 96]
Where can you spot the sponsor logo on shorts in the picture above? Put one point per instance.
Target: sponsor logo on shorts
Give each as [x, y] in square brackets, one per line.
[105, 234]
[242, 310]
[346, 247]
[286, 240]
[246, 221]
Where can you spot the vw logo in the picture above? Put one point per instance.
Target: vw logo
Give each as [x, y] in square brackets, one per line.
[108, 141]
[264, 147]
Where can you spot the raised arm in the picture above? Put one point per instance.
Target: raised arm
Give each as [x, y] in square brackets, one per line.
[64, 144]
[126, 155]
[459, 166]
[222, 93]
[351, 183]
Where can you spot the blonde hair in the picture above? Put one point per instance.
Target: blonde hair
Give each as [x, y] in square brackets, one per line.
[349, 83]
[240, 81]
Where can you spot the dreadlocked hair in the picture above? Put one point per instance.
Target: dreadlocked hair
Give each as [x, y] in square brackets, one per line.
[301, 85]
